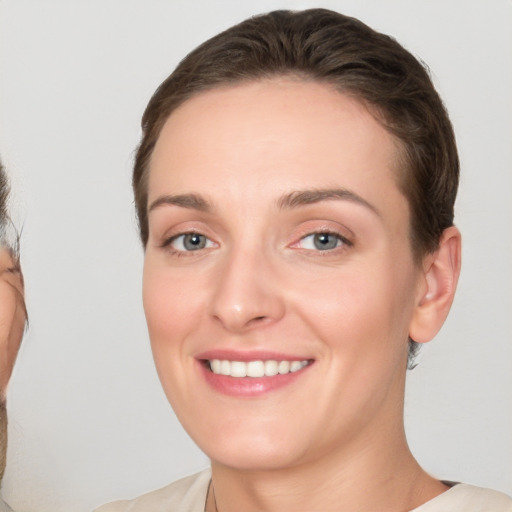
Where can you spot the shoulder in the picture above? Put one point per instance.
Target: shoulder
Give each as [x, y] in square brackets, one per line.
[468, 498]
[185, 495]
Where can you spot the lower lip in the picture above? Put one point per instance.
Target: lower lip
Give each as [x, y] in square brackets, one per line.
[249, 386]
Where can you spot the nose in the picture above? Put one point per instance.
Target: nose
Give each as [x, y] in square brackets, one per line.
[247, 294]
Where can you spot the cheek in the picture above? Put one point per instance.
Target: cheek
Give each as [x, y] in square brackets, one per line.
[170, 303]
[167, 313]
[360, 314]
[174, 305]
[169, 316]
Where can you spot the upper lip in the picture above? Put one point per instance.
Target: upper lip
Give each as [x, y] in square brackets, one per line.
[249, 355]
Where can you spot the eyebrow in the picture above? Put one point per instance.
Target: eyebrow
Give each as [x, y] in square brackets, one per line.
[292, 200]
[304, 197]
[189, 201]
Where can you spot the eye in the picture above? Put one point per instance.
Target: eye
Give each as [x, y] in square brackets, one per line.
[322, 241]
[190, 242]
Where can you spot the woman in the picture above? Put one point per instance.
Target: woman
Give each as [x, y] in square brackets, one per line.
[295, 186]
[12, 315]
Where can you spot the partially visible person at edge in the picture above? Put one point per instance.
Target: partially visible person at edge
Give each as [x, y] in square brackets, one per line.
[12, 314]
[295, 186]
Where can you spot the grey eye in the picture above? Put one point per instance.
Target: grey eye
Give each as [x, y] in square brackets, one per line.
[325, 241]
[321, 241]
[191, 242]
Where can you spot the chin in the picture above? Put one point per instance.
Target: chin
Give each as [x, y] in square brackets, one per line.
[250, 446]
[254, 456]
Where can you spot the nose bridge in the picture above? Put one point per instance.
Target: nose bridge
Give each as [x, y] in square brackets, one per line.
[246, 294]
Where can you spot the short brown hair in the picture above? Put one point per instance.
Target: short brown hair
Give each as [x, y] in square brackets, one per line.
[328, 47]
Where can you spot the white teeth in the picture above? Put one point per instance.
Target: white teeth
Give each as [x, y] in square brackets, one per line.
[271, 368]
[255, 369]
[295, 366]
[238, 369]
[215, 365]
[267, 368]
[225, 368]
[284, 367]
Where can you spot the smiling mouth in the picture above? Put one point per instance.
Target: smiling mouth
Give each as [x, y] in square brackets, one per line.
[255, 369]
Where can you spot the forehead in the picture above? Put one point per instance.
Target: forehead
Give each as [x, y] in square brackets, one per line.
[274, 135]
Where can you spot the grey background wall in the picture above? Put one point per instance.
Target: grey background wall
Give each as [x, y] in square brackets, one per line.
[88, 421]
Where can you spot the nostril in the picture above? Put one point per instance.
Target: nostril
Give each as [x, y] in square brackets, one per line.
[258, 321]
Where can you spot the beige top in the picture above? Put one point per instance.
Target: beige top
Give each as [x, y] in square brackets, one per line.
[189, 495]
[3, 506]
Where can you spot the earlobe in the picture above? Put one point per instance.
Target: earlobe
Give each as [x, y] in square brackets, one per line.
[441, 271]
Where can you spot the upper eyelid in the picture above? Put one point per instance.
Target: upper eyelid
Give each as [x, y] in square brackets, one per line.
[330, 227]
[183, 228]
[326, 232]
[171, 223]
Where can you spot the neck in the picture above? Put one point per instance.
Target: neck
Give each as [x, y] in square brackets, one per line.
[374, 473]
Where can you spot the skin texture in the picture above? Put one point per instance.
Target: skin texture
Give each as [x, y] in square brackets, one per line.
[333, 439]
[12, 324]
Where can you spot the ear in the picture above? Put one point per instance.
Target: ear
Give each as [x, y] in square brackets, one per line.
[437, 286]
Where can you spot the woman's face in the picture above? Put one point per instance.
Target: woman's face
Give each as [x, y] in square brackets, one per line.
[279, 243]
